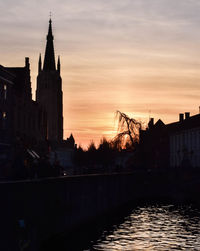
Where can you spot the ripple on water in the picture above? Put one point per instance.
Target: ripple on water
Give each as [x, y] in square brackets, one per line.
[154, 228]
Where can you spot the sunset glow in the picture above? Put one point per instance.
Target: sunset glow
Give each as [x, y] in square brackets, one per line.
[141, 57]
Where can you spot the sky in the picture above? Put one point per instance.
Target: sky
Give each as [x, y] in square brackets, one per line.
[141, 57]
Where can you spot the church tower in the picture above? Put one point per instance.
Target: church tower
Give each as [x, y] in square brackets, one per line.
[49, 90]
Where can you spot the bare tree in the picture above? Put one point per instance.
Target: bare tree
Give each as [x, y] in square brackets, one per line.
[128, 130]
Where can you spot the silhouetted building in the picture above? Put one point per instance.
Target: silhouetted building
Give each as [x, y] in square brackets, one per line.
[6, 113]
[27, 125]
[49, 90]
[173, 145]
[69, 142]
[154, 143]
[64, 153]
[29, 118]
[185, 141]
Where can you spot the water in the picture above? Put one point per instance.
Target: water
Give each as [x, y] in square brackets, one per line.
[161, 228]
[154, 228]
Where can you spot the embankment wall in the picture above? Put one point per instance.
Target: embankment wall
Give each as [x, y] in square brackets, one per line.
[54, 205]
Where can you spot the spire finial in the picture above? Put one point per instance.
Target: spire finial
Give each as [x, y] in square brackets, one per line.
[50, 15]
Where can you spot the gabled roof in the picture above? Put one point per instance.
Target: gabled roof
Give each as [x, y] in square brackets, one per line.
[159, 124]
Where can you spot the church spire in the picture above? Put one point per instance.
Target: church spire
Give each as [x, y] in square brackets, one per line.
[39, 64]
[58, 64]
[49, 59]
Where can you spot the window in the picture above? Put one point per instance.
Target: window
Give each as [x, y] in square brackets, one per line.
[5, 91]
[4, 116]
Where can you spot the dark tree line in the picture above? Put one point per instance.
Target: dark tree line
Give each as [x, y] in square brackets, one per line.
[96, 159]
[102, 158]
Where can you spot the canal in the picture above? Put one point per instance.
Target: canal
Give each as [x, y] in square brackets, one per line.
[149, 227]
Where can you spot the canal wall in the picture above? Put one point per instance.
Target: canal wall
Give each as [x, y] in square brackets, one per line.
[33, 211]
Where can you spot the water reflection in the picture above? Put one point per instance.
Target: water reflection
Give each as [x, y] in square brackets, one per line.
[154, 228]
[146, 228]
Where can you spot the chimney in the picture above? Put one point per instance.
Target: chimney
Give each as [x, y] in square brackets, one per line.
[27, 62]
[151, 123]
[181, 117]
[187, 115]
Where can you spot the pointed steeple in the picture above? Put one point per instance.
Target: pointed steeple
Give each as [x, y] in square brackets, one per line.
[49, 91]
[49, 59]
[58, 64]
[39, 64]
